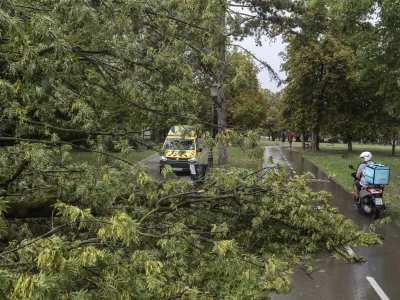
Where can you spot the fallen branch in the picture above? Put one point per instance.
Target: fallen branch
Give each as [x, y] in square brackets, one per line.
[15, 175]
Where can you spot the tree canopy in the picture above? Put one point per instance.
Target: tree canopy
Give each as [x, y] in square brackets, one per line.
[104, 70]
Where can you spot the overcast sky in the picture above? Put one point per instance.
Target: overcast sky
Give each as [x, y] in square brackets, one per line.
[268, 52]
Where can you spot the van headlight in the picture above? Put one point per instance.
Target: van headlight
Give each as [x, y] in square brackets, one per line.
[163, 158]
[193, 159]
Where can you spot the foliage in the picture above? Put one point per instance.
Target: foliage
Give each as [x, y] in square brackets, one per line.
[118, 234]
[275, 124]
[104, 70]
[249, 109]
[318, 65]
[246, 102]
[347, 88]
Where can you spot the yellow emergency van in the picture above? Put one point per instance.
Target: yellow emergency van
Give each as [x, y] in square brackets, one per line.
[180, 148]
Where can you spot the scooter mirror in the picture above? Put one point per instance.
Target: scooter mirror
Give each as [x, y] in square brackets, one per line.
[351, 167]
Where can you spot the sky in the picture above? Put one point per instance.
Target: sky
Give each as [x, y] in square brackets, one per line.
[268, 52]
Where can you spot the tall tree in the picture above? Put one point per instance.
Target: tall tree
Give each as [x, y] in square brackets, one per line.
[260, 18]
[380, 58]
[320, 65]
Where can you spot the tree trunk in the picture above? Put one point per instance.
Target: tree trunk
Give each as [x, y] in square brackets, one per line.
[394, 144]
[314, 139]
[222, 149]
[221, 107]
[349, 144]
[158, 136]
[153, 135]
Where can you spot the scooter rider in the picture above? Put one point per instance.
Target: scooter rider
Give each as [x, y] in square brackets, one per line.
[366, 159]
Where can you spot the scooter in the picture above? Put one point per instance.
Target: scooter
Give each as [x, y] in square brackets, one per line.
[370, 198]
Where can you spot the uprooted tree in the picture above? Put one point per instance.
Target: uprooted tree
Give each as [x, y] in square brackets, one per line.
[101, 71]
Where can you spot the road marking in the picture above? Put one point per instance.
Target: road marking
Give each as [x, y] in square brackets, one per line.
[377, 288]
[317, 180]
[349, 250]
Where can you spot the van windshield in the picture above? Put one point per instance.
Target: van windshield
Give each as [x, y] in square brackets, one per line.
[179, 144]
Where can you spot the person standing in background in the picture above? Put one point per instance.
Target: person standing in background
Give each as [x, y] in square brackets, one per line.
[290, 140]
[282, 138]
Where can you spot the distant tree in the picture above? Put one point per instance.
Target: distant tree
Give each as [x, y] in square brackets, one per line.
[274, 123]
[247, 104]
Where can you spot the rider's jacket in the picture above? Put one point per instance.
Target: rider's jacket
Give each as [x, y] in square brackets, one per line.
[361, 169]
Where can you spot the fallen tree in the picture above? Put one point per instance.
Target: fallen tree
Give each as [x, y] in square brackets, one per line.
[115, 231]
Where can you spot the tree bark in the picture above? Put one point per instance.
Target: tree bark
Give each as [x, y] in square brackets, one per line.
[158, 136]
[221, 107]
[394, 145]
[315, 139]
[349, 144]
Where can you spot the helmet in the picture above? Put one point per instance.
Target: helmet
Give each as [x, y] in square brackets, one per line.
[366, 155]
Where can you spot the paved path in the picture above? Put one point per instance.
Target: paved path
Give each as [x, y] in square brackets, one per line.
[377, 278]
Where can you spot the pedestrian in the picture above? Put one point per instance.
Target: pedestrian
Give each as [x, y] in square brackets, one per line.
[283, 138]
[290, 140]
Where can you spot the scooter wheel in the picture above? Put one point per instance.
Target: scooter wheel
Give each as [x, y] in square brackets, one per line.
[378, 214]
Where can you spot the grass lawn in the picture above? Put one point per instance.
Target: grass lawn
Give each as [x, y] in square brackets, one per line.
[338, 147]
[91, 157]
[236, 158]
[334, 161]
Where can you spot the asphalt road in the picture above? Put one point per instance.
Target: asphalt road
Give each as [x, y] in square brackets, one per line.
[377, 278]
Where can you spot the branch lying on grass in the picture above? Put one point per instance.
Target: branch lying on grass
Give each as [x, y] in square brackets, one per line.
[47, 142]
[34, 240]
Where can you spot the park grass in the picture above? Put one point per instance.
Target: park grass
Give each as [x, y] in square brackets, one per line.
[236, 159]
[334, 161]
[239, 159]
[93, 158]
